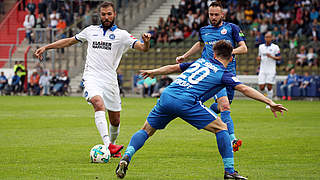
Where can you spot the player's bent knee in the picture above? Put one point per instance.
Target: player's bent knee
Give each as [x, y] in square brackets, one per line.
[225, 107]
[224, 104]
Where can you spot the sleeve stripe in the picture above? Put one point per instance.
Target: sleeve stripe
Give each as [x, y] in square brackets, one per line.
[77, 38]
[278, 54]
[134, 43]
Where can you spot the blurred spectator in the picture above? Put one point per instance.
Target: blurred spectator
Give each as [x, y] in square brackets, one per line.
[138, 84]
[29, 23]
[311, 57]
[171, 36]
[254, 27]
[163, 37]
[263, 26]
[292, 80]
[40, 24]
[3, 82]
[276, 34]
[53, 80]
[87, 16]
[20, 69]
[173, 11]
[289, 66]
[1, 7]
[186, 32]
[314, 14]
[259, 39]
[301, 57]
[42, 8]
[15, 83]
[148, 86]
[44, 84]
[248, 13]
[34, 83]
[306, 79]
[314, 44]
[54, 17]
[194, 30]
[178, 35]
[31, 7]
[61, 87]
[161, 85]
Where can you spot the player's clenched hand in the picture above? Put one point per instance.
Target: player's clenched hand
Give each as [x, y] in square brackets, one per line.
[146, 37]
[38, 53]
[277, 108]
[147, 73]
[180, 59]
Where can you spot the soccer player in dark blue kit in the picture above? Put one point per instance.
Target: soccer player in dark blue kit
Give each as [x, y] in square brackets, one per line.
[208, 36]
[182, 98]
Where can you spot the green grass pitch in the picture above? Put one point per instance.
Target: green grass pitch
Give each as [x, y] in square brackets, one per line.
[50, 138]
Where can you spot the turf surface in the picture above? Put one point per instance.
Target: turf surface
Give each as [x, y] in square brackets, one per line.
[50, 138]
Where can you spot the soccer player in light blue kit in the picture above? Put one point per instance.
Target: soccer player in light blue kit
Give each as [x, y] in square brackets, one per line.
[208, 36]
[182, 98]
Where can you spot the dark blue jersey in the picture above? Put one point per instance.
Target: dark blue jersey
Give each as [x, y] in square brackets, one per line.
[209, 35]
[201, 78]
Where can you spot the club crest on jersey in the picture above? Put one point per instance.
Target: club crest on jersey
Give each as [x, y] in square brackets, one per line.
[112, 36]
[223, 31]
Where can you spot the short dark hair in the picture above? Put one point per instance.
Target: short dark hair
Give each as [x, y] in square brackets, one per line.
[223, 49]
[216, 4]
[106, 4]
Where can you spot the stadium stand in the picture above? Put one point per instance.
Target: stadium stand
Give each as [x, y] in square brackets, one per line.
[293, 23]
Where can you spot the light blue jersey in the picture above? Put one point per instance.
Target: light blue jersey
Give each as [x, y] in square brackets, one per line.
[182, 98]
[209, 35]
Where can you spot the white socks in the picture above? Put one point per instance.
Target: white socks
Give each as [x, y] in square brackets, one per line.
[270, 94]
[114, 132]
[102, 126]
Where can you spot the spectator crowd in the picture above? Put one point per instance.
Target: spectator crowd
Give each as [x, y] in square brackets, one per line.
[54, 14]
[39, 82]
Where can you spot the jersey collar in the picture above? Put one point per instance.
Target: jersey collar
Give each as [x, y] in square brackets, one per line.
[114, 27]
[267, 45]
[217, 62]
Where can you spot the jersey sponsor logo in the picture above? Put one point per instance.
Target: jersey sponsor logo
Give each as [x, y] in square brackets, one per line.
[235, 79]
[224, 31]
[214, 42]
[95, 35]
[112, 36]
[101, 45]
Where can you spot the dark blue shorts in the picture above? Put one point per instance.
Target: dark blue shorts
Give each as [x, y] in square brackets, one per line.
[191, 111]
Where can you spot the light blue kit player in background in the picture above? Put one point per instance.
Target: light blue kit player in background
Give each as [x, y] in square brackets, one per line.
[220, 30]
[182, 98]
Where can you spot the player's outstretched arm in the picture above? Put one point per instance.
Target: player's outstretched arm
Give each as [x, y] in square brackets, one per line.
[169, 69]
[198, 46]
[254, 94]
[55, 45]
[146, 43]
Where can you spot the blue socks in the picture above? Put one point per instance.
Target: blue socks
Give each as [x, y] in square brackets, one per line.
[226, 118]
[136, 142]
[225, 150]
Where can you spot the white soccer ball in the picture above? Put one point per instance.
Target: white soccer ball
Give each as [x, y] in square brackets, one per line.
[100, 154]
